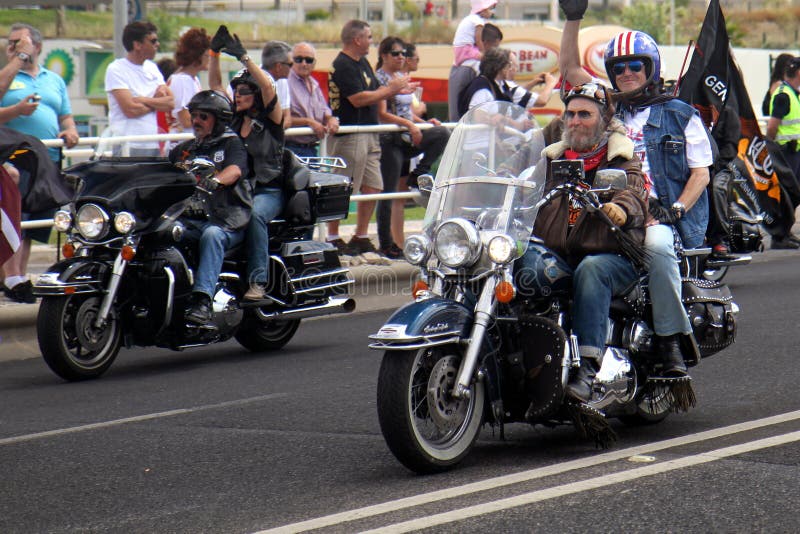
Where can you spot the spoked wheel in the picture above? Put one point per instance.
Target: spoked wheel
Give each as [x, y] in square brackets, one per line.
[654, 405]
[73, 347]
[259, 336]
[425, 427]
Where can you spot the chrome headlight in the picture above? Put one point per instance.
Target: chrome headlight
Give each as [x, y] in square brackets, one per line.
[417, 249]
[457, 243]
[124, 222]
[62, 220]
[501, 249]
[92, 221]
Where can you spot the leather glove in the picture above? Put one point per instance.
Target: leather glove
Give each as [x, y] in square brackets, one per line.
[615, 213]
[209, 185]
[220, 39]
[235, 48]
[574, 9]
[660, 213]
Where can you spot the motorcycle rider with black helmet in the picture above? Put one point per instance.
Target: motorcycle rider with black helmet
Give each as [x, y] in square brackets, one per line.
[218, 214]
[675, 150]
[258, 119]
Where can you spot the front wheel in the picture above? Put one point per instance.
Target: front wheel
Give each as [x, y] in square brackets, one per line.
[424, 426]
[72, 346]
[260, 336]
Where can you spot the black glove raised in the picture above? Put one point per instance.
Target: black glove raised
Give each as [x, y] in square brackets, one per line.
[574, 9]
[220, 39]
[235, 48]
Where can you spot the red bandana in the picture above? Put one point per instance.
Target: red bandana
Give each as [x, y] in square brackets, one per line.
[590, 160]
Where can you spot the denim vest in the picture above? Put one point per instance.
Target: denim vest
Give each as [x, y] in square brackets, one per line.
[665, 141]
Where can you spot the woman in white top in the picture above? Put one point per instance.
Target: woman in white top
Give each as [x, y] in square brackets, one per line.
[192, 58]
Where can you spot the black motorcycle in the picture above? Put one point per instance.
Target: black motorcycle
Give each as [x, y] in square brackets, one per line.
[128, 272]
[744, 220]
[475, 347]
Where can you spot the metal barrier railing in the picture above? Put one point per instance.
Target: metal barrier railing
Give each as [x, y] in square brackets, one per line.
[291, 132]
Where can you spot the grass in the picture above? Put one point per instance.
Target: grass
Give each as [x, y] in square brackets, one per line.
[413, 213]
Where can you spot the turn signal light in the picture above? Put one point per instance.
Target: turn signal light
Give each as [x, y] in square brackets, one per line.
[504, 292]
[68, 250]
[128, 253]
[419, 286]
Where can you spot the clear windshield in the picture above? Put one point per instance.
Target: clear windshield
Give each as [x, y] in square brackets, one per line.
[487, 173]
[112, 144]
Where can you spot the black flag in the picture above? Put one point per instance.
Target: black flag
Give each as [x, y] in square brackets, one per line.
[714, 81]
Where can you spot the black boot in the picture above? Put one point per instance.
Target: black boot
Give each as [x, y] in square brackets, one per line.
[198, 313]
[580, 385]
[670, 362]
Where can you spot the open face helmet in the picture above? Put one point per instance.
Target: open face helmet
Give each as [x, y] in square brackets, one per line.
[629, 46]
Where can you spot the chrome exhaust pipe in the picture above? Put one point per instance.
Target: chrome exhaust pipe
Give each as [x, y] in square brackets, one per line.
[340, 305]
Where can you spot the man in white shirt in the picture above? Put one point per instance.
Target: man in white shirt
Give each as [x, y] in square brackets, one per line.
[136, 89]
[275, 60]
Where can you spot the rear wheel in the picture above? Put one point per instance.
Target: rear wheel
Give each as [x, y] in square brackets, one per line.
[72, 346]
[260, 336]
[424, 426]
[654, 404]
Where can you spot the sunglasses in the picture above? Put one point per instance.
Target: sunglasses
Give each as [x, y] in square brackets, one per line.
[635, 66]
[582, 115]
[202, 115]
[308, 60]
[243, 90]
[287, 63]
[153, 40]
[397, 53]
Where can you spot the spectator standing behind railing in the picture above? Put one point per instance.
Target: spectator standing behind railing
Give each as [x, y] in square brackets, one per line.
[191, 58]
[275, 60]
[399, 147]
[468, 50]
[354, 94]
[135, 88]
[36, 103]
[775, 80]
[309, 107]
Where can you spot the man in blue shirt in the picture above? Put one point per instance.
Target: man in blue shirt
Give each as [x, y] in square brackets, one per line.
[35, 102]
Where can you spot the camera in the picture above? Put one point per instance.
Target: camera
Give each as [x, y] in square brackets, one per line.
[570, 170]
[35, 97]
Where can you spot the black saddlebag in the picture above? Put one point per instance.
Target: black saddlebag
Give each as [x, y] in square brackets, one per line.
[745, 236]
[330, 195]
[712, 314]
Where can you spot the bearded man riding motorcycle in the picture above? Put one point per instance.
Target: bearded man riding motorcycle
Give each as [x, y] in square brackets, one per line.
[675, 149]
[220, 210]
[578, 243]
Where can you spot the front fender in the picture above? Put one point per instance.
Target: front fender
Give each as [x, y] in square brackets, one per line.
[425, 323]
[71, 276]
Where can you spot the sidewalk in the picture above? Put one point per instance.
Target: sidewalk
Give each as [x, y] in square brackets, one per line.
[376, 278]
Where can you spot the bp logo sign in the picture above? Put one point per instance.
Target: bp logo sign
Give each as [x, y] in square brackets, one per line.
[61, 63]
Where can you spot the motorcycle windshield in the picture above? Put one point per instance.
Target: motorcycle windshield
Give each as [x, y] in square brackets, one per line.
[489, 174]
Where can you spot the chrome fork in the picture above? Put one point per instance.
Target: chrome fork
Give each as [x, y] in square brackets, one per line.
[111, 292]
[484, 312]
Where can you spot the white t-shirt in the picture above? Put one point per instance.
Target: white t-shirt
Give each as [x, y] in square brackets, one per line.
[140, 80]
[184, 87]
[284, 96]
[698, 149]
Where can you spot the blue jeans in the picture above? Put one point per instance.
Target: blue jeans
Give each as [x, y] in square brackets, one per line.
[267, 204]
[595, 280]
[669, 316]
[214, 241]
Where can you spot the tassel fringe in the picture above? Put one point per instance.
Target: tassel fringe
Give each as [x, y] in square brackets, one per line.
[680, 392]
[592, 424]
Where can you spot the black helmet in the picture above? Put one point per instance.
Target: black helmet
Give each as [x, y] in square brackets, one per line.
[215, 103]
[244, 76]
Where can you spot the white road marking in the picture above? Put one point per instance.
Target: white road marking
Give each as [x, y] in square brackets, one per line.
[135, 419]
[524, 476]
[585, 485]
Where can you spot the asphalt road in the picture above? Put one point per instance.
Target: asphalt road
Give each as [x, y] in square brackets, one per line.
[221, 440]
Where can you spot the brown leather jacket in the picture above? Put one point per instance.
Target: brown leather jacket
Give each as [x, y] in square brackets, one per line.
[590, 235]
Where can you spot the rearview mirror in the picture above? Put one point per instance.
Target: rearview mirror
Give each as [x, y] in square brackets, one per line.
[425, 183]
[610, 180]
